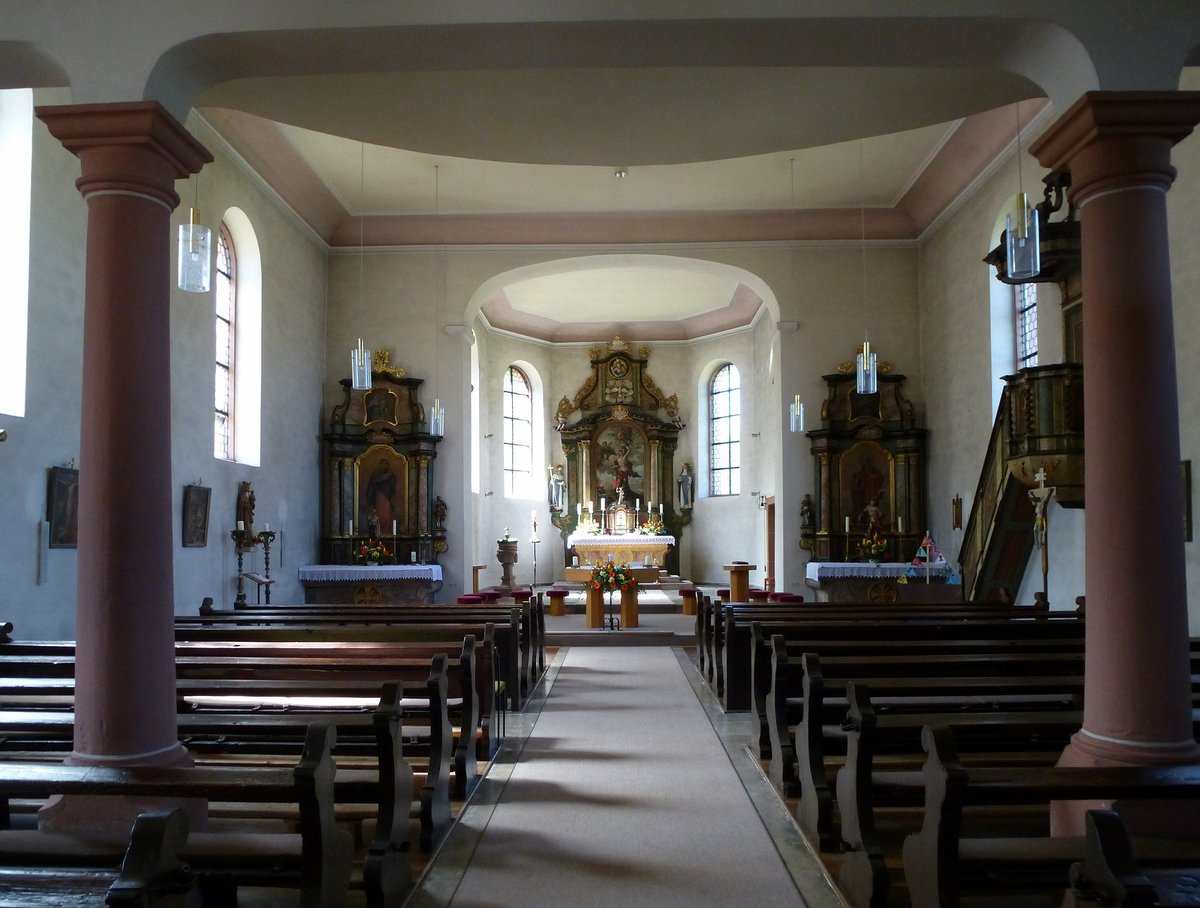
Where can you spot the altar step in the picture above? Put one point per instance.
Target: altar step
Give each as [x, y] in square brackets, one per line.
[655, 629]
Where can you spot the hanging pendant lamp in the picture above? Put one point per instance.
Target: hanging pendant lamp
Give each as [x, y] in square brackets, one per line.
[195, 251]
[1022, 236]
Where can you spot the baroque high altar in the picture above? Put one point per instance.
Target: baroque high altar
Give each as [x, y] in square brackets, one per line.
[620, 456]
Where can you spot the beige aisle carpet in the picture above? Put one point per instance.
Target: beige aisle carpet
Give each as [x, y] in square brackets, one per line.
[624, 796]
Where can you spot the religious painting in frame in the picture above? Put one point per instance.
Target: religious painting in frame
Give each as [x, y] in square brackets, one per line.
[1187, 501]
[620, 457]
[381, 405]
[62, 507]
[195, 516]
[381, 491]
[866, 483]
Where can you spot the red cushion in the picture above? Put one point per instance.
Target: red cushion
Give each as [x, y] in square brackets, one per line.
[470, 599]
[489, 595]
[557, 593]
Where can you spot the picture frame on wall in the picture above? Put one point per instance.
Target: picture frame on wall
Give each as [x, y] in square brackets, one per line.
[62, 507]
[196, 500]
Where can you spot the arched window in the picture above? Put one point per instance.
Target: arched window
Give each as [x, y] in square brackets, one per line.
[518, 434]
[1025, 321]
[725, 431]
[226, 325]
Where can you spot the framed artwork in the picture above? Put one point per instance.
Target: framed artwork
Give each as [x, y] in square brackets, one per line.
[195, 516]
[62, 507]
[380, 405]
[620, 462]
[1187, 501]
[381, 480]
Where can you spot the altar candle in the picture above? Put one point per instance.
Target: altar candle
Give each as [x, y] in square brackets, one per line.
[847, 524]
[638, 506]
[241, 526]
[533, 520]
[602, 502]
[660, 509]
[266, 528]
[900, 523]
[578, 510]
[351, 527]
[412, 557]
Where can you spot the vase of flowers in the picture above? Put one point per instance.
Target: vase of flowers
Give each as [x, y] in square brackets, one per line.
[588, 527]
[872, 548]
[371, 551]
[653, 526]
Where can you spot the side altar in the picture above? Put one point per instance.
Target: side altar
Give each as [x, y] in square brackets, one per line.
[630, 548]
[884, 582]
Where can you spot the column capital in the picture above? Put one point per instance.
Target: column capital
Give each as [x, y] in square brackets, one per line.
[134, 146]
[1110, 139]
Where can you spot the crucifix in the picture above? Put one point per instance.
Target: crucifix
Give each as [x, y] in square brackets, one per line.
[1040, 497]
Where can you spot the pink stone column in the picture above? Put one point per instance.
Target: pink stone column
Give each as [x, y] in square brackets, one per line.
[1137, 693]
[130, 155]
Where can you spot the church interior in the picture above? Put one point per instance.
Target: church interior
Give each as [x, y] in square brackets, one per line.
[728, 293]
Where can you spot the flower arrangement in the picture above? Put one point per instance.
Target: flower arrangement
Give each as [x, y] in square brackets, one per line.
[588, 527]
[609, 576]
[371, 550]
[873, 547]
[653, 526]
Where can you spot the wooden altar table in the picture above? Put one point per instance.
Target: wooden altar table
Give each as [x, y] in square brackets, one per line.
[594, 599]
[856, 581]
[355, 584]
[628, 548]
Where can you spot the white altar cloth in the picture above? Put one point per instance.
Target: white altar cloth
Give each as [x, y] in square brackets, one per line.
[620, 540]
[356, 572]
[832, 570]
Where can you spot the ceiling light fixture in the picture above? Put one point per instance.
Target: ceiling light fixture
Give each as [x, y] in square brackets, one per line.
[1022, 240]
[621, 173]
[195, 251]
[360, 356]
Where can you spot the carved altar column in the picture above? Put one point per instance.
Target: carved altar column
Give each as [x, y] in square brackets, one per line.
[585, 474]
[1117, 148]
[130, 156]
[423, 522]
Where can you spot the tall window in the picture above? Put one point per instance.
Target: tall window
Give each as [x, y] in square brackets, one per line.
[16, 160]
[725, 431]
[1025, 301]
[226, 314]
[518, 434]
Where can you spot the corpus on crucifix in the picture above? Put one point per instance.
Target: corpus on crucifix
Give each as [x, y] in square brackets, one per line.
[1040, 497]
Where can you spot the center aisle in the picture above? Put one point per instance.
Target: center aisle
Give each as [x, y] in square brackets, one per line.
[624, 795]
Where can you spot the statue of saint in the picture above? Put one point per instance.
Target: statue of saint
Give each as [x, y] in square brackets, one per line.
[557, 492]
[439, 513]
[245, 506]
[687, 494]
[806, 512]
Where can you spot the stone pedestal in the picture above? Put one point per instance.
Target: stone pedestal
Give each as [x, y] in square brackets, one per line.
[506, 554]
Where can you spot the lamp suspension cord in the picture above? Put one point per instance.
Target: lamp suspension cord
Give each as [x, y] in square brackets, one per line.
[1020, 178]
[362, 198]
[862, 213]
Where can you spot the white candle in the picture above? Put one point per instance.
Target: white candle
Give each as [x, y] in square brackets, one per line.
[602, 502]
[241, 526]
[412, 557]
[351, 527]
[393, 527]
[900, 523]
[578, 509]
[660, 509]
[847, 524]
[266, 528]
[638, 506]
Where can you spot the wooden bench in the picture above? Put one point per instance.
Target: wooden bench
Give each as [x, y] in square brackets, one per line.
[316, 861]
[942, 866]
[1112, 874]
[150, 874]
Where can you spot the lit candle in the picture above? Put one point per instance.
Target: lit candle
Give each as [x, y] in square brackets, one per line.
[847, 524]
[241, 526]
[533, 520]
[393, 526]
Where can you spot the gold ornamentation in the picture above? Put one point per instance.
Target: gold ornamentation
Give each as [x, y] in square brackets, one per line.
[616, 345]
[379, 362]
[643, 353]
[368, 594]
[441, 546]
[595, 352]
[619, 412]
[883, 591]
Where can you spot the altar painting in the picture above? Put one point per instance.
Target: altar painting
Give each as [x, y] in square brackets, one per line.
[620, 457]
[381, 479]
[867, 485]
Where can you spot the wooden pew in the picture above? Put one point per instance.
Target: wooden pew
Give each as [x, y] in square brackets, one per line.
[732, 638]
[150, 874]
[316, 861]
[941, 866]
[1111, 873]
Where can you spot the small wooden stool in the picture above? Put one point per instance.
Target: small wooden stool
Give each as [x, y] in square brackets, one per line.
[689, 594]
[558, 601]
[723, 595]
